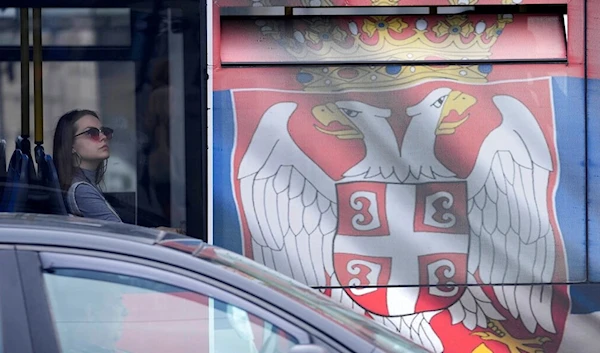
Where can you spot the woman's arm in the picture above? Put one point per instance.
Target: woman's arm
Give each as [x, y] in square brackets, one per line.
[92, 204]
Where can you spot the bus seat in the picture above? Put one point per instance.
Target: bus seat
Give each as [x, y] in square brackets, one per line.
[24, 145]
[14, 197]
[45, 194]
[49, 177]
[2, 160]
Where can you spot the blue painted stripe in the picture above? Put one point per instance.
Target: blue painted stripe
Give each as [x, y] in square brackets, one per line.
[226, 225]
[585, 298]
[594, 178]
[568, 96]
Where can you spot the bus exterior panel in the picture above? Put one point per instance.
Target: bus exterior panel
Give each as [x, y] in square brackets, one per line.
[430, 172]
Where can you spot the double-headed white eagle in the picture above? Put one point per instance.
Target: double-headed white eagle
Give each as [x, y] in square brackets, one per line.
[290, 203]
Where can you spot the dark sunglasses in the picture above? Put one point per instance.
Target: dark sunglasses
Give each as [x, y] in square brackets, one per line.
[94, 133]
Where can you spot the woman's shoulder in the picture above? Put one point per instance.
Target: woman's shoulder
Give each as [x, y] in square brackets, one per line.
[84, 199]
[78, 195]
[83, 188]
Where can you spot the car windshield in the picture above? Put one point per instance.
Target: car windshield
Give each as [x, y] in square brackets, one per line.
[368, 329]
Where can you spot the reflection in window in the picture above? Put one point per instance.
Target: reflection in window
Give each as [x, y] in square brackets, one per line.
[97, 311]
[71, 27]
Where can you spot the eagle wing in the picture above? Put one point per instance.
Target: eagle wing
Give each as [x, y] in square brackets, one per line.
[288, 202]
[512, 239]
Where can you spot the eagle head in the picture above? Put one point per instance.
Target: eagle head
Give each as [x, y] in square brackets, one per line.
[442, 111]
[351, 119]
[358, 120]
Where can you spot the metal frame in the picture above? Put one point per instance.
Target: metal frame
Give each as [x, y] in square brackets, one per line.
[196, 127]
[38, 308]
[72, 53]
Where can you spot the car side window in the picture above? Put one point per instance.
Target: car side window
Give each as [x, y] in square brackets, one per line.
[106, 312]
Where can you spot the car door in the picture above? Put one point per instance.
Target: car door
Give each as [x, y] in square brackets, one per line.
[83, 302]
[14, 333]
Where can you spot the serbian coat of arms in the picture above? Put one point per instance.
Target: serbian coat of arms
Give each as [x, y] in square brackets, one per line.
[422, 196]
[416, 207]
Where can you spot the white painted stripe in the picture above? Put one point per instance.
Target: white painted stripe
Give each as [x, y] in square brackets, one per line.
[579, 333]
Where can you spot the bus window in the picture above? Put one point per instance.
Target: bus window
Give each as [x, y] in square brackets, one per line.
[137, 68]
[67, 86]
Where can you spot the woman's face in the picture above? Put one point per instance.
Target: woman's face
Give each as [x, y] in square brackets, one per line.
[91, 150]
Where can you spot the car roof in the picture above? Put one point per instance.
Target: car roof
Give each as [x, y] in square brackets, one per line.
[24, 229]
[73, 224]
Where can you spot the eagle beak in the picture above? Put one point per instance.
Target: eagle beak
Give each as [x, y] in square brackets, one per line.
[335, 122]
[459, 102]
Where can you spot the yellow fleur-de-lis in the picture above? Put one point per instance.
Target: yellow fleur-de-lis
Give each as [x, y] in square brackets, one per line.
[454, 25]
[383, 23]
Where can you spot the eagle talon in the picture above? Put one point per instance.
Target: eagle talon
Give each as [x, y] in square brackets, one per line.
[515, 345]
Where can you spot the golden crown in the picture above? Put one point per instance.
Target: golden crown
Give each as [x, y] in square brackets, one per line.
[380, 39]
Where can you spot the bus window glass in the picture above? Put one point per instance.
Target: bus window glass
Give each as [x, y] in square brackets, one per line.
[127, 65]
[72, 27]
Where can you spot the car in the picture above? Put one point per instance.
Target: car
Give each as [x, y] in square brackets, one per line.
[70, 284]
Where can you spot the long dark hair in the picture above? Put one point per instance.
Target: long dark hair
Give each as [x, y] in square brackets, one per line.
[63, 148]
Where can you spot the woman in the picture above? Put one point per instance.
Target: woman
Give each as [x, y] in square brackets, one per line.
[80, 153]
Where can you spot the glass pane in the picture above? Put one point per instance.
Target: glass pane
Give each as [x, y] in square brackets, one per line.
[104, 87]
[71, 27]
[97, 310]
[405, 38]
[86, 27]
[9, 26]
[140, 94]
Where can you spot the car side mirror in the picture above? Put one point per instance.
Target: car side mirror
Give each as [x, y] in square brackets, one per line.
[307, 348]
